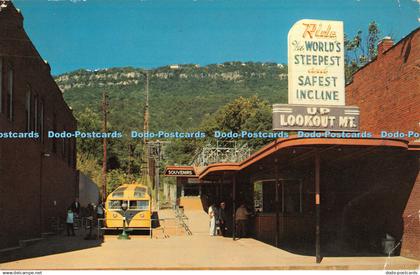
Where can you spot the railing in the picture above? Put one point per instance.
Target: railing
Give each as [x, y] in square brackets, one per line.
[181, 217]
[56, 224]
[225, 151]
[162, 226]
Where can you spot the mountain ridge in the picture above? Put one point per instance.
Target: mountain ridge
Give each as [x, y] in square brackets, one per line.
[180, 96]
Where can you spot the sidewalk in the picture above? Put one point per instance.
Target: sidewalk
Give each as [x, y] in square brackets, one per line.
[195, 252]
[199, 251]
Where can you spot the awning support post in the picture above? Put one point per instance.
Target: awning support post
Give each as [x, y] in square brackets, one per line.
[277, 204]
[234, 206]
[317, 208]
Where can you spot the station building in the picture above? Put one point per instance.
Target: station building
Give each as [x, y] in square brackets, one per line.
[38, 178]
[368, 188]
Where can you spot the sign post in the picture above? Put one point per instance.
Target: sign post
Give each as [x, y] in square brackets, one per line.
[316, 91]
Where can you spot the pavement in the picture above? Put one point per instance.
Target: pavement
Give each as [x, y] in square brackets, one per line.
[195, 252]
[199, 251]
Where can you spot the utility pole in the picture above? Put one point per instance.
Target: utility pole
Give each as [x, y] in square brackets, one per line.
[146, 107]
[104, 160]
[155, 149]
[145, 130]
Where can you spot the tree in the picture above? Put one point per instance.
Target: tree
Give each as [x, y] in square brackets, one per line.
[358, 52]
[251, 114]
[88, 121]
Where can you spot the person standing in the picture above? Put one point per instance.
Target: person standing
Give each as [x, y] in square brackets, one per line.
[241, 219]
[89, 220]
[69, 222]
[100, 212]
[75, 206]
[212, 215]
[223, 219]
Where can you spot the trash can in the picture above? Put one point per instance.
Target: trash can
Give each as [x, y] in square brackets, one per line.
[388, 245]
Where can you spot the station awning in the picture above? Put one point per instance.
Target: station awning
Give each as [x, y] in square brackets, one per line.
[292, 150]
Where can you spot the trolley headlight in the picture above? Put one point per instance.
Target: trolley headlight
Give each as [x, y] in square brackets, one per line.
[124, 206]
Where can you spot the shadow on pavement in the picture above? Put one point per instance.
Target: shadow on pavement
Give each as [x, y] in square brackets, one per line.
[53, 245]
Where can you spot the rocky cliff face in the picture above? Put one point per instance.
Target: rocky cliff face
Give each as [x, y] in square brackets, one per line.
[230, 71]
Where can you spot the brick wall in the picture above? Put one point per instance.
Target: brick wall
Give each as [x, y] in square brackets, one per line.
[36, 181]
[411, 238]
[387, 91]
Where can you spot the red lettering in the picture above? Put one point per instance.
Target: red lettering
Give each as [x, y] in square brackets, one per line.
[315, 30]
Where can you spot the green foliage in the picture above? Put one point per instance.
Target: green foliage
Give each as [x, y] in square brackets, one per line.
[88, 165]
[88, 120]
[115, 178]
[180, 151]
[242, 114]
[232, 96]
[180, 100]
[358, 52]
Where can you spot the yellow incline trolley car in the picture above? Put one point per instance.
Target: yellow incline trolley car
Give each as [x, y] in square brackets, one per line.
[139, 207]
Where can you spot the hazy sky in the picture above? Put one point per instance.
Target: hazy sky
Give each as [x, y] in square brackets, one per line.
[94, 34]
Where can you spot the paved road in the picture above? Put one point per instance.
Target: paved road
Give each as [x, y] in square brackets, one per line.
[193, 252]
[199, 251]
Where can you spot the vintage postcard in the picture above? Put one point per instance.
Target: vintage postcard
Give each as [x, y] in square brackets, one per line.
[209, 135]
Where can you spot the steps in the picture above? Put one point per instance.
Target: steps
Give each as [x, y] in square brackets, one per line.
[191, 203]
[198, 220]
[168, 225]
[25, 243]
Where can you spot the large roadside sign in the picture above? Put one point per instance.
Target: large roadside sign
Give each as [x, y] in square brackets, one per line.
[316, 90]
[288, 117]
[316, 63]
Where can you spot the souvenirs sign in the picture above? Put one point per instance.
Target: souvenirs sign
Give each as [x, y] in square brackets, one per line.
[316, 63]
[180, 172]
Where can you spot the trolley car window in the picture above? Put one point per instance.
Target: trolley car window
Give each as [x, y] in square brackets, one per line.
[119, 192]
[139, 205]
[139, 192]
[115, 204]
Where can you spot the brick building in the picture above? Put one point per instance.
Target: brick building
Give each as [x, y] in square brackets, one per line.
[387, 90]
[38, 178]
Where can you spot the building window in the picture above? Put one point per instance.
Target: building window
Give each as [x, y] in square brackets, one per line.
[63, 147]
[1, 85]
[292, 196]
[54, 144]
[41, 120]
[70, 153]
[289, 196]
[10, 95]
[36, 118]
[73, 156]
[28, 109]
[70, 150]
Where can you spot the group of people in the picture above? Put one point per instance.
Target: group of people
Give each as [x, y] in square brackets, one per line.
[220, 223]
[218, 219]
[74, 211]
